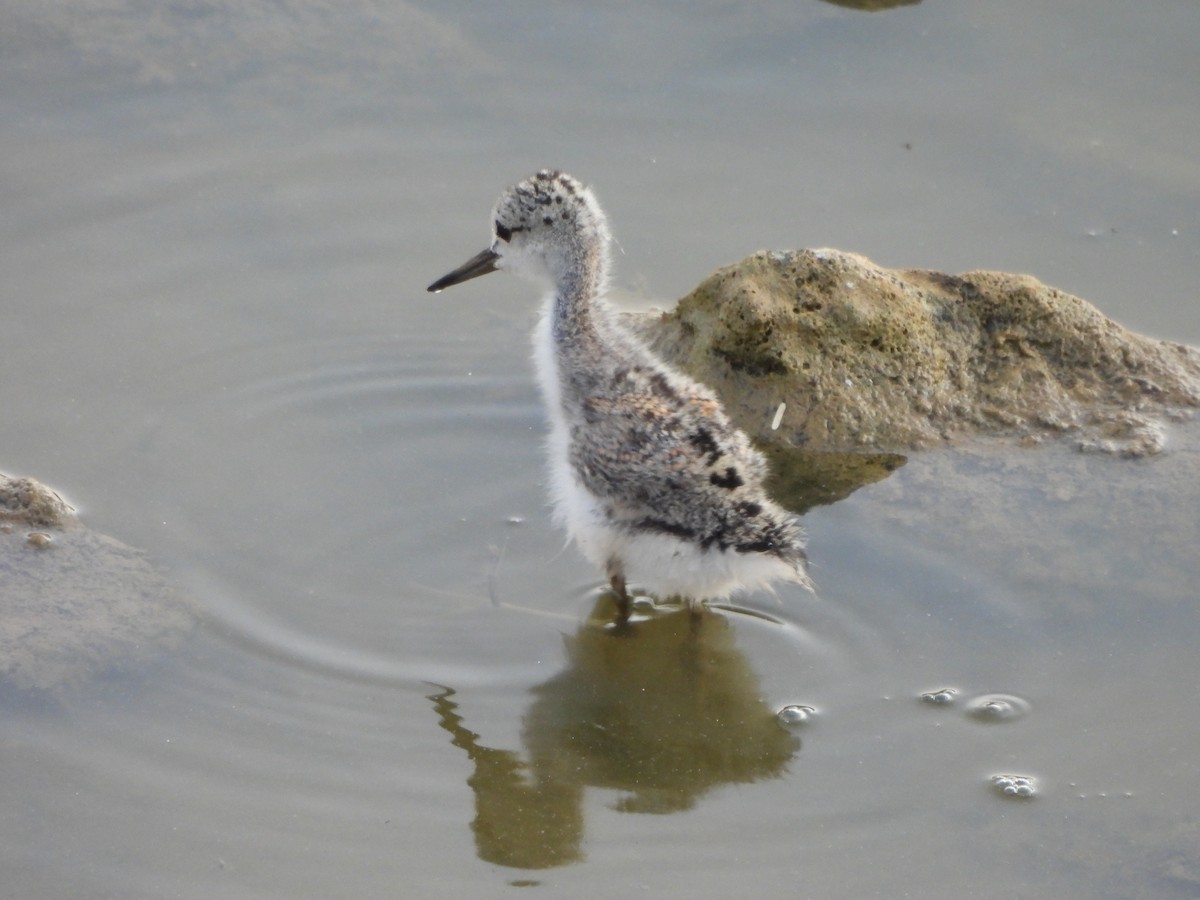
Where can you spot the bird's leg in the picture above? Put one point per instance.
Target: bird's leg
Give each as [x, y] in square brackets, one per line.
[616, 578]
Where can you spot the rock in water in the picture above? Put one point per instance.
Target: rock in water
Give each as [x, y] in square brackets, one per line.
[882, 359]
[76, 605]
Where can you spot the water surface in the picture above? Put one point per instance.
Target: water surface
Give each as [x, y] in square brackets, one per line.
[218, 224]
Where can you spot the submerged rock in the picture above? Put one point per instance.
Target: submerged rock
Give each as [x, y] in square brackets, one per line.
[76, 605]
[867, 358]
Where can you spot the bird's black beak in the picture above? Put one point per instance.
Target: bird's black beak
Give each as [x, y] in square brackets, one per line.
[477, 265]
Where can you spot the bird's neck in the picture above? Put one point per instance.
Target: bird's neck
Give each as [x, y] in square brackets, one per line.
[579, 331]
[578, 305]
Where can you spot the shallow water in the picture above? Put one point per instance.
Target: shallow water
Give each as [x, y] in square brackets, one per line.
[218, 226]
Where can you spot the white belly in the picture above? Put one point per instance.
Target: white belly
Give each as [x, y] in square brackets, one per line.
[659, 564]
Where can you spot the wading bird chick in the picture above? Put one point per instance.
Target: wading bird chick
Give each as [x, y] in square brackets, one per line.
[650, 478]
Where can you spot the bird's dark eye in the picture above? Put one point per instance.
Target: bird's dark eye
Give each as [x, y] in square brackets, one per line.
[505, 234]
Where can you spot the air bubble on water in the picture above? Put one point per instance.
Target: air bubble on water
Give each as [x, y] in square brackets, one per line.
[940, 697]
[792, 716]
[998, 708]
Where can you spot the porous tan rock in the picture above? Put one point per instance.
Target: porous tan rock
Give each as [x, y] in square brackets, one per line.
[26, 502]
[868, 358]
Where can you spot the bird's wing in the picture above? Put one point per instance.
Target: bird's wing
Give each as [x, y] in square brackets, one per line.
[663, 449]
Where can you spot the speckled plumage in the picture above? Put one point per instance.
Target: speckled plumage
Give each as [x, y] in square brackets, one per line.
[648, 475]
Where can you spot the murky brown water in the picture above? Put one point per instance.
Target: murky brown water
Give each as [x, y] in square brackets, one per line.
[218, 225]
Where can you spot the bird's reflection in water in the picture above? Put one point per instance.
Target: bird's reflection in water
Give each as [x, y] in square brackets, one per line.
[663, 710]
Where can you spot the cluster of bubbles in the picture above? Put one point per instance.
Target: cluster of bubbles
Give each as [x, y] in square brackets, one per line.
[942, 697]
[992, 708]
[986, 708]
[1019, 786]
